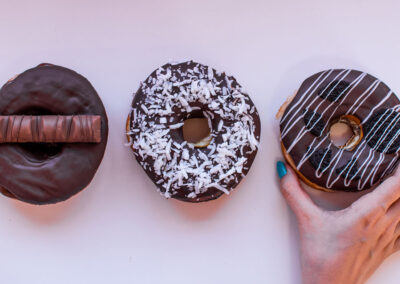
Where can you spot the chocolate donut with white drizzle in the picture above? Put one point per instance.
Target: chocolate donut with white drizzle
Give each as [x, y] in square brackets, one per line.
[358, 99]
[181, 170]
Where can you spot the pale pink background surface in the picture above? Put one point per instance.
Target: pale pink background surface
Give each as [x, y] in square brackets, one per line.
[119, 230]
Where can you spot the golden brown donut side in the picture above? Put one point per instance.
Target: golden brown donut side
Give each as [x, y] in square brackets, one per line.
[289, 160]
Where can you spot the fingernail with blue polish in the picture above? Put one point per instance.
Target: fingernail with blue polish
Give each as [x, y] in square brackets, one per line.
[281, 168]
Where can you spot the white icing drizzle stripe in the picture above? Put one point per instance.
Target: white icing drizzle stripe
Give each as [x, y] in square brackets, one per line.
[287, 127]
[371, 89]
[378, 105]
[307, 97]
[362, 148]
[307, 91]
[353, 84]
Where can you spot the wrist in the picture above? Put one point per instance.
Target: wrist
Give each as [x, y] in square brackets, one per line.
[324, 270]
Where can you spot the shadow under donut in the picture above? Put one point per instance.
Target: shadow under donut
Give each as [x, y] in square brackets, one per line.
[334, 200]
[199, 211]
[45, 214]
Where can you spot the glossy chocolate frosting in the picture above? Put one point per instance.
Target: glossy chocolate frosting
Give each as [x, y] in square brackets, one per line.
[321, 100]
[173, 93]
[42, 173]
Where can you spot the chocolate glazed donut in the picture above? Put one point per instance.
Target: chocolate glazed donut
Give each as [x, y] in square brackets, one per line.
[43, 173]
[181, 170]
[367, 106]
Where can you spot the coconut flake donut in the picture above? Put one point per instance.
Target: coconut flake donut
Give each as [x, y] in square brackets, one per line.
[357, 99]
[182, 170]
[53, 134]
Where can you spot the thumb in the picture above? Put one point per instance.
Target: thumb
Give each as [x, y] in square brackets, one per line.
[298, 200]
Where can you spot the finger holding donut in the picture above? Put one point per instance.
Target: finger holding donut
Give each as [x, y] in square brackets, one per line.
[348, 245]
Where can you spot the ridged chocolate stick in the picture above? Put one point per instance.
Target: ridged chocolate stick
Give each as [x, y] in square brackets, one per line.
[50, 129]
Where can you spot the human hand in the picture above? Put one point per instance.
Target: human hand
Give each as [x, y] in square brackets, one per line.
[348, 245]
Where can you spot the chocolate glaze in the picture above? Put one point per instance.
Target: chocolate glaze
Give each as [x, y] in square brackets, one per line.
[42, 173]
[50, 129]
[331, 94]
[180, 114]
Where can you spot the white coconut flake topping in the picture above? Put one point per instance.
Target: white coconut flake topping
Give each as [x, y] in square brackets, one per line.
[179, 167]
[176, 126]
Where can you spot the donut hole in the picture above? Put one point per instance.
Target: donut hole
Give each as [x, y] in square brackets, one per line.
[340, 133]
[196, 130]
[39, 151]
[34, 110]
[346, 132]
